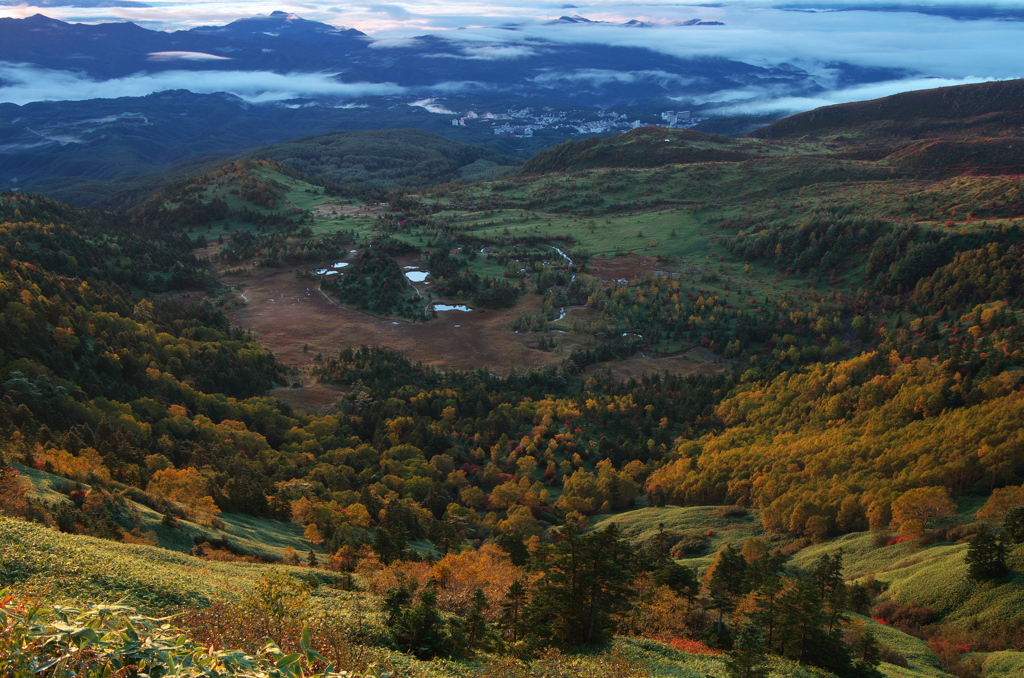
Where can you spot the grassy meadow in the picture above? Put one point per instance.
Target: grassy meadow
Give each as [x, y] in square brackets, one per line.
[42, 563]
[260, 537]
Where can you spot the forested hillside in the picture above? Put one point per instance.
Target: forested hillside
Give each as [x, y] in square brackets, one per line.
[824, 347]
[381, 159]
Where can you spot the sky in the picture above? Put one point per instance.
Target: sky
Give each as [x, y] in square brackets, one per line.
[933, 50]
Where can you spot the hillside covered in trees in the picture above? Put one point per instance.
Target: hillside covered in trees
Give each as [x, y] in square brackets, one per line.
[864, 323]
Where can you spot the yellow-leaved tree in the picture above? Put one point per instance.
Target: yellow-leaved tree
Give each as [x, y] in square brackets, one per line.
[1001, 501]
[187, 487]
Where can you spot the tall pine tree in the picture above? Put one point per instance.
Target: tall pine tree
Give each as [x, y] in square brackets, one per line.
[584, 583]
[513, 612]
[986, 557]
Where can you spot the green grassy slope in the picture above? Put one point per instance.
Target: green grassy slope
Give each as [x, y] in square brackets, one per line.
[1006, 664]
[642, 525]
[940, 581]
[57, 567]
[934, 576]
[921, 661]
[255, 536]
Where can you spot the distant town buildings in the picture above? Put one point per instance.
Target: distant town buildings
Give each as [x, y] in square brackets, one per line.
[673, 117]
[526, 122]
[510, 131]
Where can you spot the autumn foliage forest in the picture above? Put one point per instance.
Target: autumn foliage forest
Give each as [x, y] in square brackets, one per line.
[878, 387]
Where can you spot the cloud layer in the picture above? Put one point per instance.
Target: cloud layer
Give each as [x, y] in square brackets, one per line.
[754, 101]
[185, 56]
[814, 36]
[26, 83]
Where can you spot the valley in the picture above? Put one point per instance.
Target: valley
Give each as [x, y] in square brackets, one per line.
[297, 322]
[715, 406]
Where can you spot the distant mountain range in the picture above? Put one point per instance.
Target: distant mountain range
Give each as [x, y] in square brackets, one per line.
[140, 100]
[633, 23]
[280, 42]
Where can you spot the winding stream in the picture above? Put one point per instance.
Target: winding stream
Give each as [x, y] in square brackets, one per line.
[562, 311]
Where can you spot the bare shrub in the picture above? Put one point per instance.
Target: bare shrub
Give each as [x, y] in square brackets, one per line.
[907, 618]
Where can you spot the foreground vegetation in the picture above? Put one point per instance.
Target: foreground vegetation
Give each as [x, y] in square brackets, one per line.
[243, 605]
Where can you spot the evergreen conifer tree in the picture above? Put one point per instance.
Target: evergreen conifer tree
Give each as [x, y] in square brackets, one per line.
[513, 612]
[389, 541]
[419, 629]
[725, 581]
[585, 581]
[679, 578]
[828, 576]
[986, 557]
[477, 630]
[748, 658]
[1013, 526]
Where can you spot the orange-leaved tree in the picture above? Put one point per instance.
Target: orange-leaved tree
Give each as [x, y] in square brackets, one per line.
[915, 509]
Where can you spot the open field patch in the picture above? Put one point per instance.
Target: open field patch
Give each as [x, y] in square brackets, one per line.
[296, 321]
[336, 210]
[636, 366]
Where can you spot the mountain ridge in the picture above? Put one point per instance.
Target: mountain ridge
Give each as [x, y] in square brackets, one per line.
[991, 108]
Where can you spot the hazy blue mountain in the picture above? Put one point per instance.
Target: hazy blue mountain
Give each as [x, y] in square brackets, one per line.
[963, 11]
[515, 100]
[602, 75]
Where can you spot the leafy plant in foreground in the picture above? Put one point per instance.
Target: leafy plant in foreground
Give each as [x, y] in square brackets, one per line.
[105, 640]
